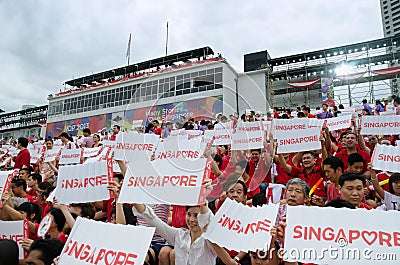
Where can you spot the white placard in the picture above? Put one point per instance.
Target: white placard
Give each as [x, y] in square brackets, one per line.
[50, 155]
[132, 142]
[180, 147]
[302, 140]
[70, 156]
[338, 123]
[82, 183]
[242, 228]
[352, 236]
[85, 245]
[91, 152]
[16, 231]
[380, 125]
[281, 125]
[386, 158]
[248, 135]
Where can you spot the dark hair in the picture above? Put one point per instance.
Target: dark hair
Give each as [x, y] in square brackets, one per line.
[354, 158]
[49, 140]
[86, 130]
[117, 126]
[23, 141]
[25, 169]
[334, 162]
[49, 248]
[149, 127]
[31, 208]
[393, 178]
[87, 209]
[59, 218]
[259, 199]
[339, 203]
[37, 177]
[308, 152]
[301, 114]
[130, 219]
[119, 176]
[234, 179]
[350, 176]
[9, 252]
[64, 134]
[364, 101]
[256, 150]
[218, 159]
[19, 183]
[44, 185]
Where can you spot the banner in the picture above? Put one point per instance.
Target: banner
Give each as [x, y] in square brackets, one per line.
[92, 242]
[221, 134]
[172, 181]
[70, 156]
[352, 236]
[50, 155]
[282, 125]
[91, 152]
[177, 147]
[386, 158]
[35, 155]
[133, 142]
[338, 123]
[380, 125]
[82, 183]
[242, 228]
[16, 231]
[248, 135]
[5, 181]
[302, 140]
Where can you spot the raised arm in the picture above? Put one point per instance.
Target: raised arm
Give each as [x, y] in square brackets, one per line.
[286, 167]
[361, 141]
[375, 184]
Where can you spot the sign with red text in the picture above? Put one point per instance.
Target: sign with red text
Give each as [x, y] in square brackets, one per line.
[351, 236]
[82, 183]
[14, 230]
[51, 154]
[315, 123]
[70, 156]
[284, 125]
[221, 134]
[173, 181]
[299, 141]
[5, 181]
[35, 155]
[92, 242]
[180, 147]
[380, 125]
[91, 152]
[242, 228]
[248, 135]
[386, 158]
[338, 123]
[133, 142]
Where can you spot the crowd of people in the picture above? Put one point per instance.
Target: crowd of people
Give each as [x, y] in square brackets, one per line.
[343, 163]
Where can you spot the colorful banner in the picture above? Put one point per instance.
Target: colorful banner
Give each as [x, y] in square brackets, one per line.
[82, 183]
[351, 236]
[16, 231]
[380, 125]
[242, 228]
[172, 181]
[86, 245]
[302, 140]
[248, 135]
[386, 158]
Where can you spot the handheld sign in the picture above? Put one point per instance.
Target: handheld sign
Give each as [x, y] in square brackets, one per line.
[116, 244]
[386, 158]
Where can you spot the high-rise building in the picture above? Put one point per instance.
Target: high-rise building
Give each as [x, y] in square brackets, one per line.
[390, 10]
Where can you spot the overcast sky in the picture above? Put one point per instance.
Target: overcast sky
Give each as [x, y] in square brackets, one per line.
[45, 43]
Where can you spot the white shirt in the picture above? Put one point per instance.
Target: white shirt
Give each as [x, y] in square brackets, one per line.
[391, 201]
[200, 252]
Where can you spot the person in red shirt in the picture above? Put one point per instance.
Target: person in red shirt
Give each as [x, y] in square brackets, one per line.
[306, 111]
[351, 148]
[18, 187]
[23, 158]
[115, 131]
[351, 187]
[33, 183]
[333, 168]
[310, 173]
[157, 128]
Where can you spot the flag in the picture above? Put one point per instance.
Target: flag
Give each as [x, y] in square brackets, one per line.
[128, 51]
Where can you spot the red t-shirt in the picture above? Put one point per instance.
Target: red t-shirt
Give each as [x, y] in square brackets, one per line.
[311, 178]
[365, 206]
[33, 194]
[343, 155]
[157, 131]
[23, 159]
[332, 192]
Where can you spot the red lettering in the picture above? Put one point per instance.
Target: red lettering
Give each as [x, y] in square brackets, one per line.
[297, 231]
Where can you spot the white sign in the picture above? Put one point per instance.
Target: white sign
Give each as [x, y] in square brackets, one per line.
[338, 123]
[386, 158]
[242, 228]
[70, 156]
[380, 125]
[86, 245]
[133, 142]
[180, 147]
[302, 140]
[16, 231]
[82, 183]
[51, 155]
[352, 236]
[172, 181]
[315, 123]
[5, 180]
[221, 134]
[35, 155]
[91, 152]
[282, 125]
[248, 135]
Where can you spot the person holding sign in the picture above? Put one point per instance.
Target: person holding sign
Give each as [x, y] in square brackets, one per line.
[390, 199]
